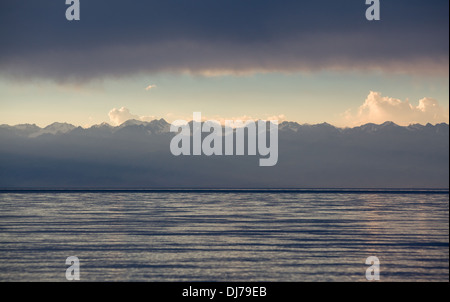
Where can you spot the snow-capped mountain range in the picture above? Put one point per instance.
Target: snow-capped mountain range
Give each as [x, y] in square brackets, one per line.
[136, 154]
[134, 127]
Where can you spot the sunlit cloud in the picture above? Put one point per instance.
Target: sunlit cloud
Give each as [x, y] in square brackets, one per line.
[379, 109]
[119, 116]
[150, 87]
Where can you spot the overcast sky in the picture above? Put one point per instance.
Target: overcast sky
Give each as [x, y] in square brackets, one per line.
[305, 61]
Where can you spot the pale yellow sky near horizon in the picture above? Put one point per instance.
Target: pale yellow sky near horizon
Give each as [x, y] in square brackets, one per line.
[340, 99]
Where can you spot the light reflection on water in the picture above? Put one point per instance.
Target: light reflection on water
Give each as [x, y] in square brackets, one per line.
[182, 236]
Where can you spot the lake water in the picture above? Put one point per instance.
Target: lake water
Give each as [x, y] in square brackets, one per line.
[224, 235]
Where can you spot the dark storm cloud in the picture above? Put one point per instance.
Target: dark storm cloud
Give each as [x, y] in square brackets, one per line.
[115, 38]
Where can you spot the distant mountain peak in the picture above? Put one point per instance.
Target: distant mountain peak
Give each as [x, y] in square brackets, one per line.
[389, 124]
[132, 122]
[102, 125]
[26, 127]
[60, 126]
[55, 128]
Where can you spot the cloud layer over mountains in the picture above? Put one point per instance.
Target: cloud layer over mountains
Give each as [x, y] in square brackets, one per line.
[136, 155]
[117, 38]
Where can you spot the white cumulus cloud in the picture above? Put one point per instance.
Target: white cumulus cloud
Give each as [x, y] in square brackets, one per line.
[379, 109]
[119, 116]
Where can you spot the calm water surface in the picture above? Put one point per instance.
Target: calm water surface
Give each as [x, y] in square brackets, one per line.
[223, 236]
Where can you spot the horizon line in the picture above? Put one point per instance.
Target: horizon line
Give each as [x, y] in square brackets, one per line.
[225, 190]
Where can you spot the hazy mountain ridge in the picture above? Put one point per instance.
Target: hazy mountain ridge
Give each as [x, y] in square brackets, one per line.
[136, 127]
[136, 154]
